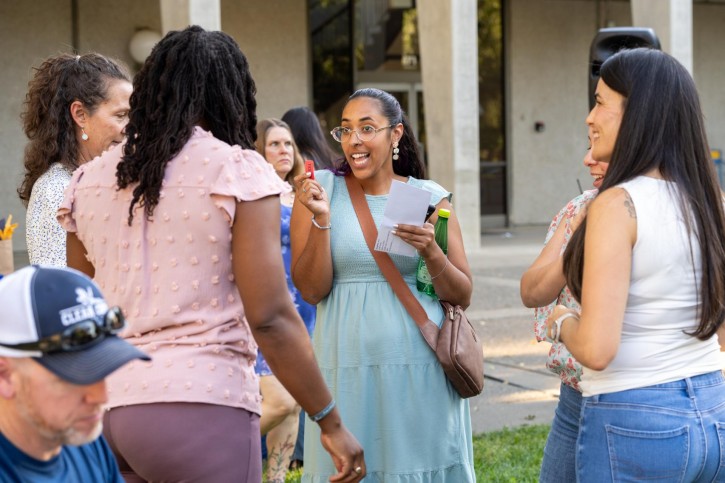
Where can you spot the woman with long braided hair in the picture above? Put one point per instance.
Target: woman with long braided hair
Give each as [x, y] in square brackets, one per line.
[177, 225]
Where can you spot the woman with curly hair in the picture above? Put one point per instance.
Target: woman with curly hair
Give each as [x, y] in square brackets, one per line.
[180, 227]
[76, 108]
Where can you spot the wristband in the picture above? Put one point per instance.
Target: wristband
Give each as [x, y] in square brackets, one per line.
[325, 411]
[556, 326]
[314, 222]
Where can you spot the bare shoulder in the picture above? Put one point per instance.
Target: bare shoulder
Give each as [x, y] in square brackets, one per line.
[614, 212]
[615, 201]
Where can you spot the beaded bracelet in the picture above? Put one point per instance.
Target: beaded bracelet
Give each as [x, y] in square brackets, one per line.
[314, 222]
[325, 411]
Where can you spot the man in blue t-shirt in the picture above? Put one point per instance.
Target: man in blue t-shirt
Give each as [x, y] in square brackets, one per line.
[57, 345]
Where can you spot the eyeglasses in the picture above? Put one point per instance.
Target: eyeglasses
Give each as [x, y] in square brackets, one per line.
[77, 336]
[364, 134]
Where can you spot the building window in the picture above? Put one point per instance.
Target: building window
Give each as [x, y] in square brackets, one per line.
[491, 108]
[331, 39]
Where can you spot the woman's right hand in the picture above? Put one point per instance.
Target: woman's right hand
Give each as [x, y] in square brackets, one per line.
[278, 329]
[311, 194]
[576, 219]
[344, 449]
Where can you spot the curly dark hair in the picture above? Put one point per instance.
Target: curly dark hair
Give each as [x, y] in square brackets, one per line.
[47, 121]
[409, 162]
[192, 77]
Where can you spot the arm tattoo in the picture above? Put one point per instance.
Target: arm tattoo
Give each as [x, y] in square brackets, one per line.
[629, 204]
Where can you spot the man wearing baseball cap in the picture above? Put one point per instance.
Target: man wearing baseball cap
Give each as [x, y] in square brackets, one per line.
[57, 345]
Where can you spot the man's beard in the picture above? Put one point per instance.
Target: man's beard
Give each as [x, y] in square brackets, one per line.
[68, 436]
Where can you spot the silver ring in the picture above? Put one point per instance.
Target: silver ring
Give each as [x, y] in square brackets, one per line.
[304, 190]
[358, 470]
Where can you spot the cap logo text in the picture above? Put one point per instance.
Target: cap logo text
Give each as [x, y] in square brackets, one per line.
[90, 307]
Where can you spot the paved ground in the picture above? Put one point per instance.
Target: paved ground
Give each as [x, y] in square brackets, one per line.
[518, 390]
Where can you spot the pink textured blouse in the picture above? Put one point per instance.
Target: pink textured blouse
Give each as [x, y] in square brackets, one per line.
[172, 275]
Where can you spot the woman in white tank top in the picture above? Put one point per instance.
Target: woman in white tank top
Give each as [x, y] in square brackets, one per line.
[648, 266]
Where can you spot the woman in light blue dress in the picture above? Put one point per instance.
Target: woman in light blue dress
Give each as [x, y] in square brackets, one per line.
[387, 382]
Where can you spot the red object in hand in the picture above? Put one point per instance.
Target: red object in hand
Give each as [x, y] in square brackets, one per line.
[310, 168]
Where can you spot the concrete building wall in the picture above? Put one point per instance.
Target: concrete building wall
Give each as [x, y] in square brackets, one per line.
[547, 44]
[274, 36]
[106, 26]
[548, 55]
[709, 68]
[548, 52]
[29, 32]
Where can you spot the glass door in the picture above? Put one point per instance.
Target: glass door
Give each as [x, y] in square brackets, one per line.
[492, 139]
[410, 97]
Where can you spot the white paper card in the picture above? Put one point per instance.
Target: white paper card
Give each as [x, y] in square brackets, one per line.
[406, 205]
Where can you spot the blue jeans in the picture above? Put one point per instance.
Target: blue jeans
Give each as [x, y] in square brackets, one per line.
[559, 463]
[672, 432]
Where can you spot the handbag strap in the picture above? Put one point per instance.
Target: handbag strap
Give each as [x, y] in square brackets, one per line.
[385, 263]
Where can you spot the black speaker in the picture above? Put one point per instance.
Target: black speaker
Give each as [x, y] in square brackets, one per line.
[609, 41]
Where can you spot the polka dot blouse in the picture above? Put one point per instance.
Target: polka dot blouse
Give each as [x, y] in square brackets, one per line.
[44, 237]
[172, 274]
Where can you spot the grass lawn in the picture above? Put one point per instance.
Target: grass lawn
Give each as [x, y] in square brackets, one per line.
[510, 455]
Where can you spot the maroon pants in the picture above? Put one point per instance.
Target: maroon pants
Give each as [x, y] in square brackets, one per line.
[173, 442]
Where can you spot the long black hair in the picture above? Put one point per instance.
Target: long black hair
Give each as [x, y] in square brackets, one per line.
[409, 162]
[309, 137]
[662, 127]
[191, 77]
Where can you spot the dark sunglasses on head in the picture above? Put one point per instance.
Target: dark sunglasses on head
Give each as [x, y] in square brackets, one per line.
[78, 335]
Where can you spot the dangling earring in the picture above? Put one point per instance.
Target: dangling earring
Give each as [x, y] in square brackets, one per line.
[84, 136]
[395, 151]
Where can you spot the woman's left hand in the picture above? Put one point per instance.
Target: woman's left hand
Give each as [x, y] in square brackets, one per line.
[422, 238]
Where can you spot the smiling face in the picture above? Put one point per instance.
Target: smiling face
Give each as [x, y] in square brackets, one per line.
[597, 169]
[369, 159]
[52, 412]
[105, 126]
[279, 150]
[604, 120]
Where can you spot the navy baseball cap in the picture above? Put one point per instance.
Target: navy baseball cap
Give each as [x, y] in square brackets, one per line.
[59, 317]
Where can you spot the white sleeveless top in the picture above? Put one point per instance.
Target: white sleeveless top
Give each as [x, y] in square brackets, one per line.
[662, 302]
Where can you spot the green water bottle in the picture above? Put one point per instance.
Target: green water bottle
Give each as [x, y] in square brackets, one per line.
[423, 281]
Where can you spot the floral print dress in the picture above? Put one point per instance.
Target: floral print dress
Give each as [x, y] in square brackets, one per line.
[560, 361]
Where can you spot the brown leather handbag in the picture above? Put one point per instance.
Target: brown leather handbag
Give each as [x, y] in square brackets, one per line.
[456, 343]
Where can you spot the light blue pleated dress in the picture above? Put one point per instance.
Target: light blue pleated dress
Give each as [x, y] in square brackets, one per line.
[390, 389]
